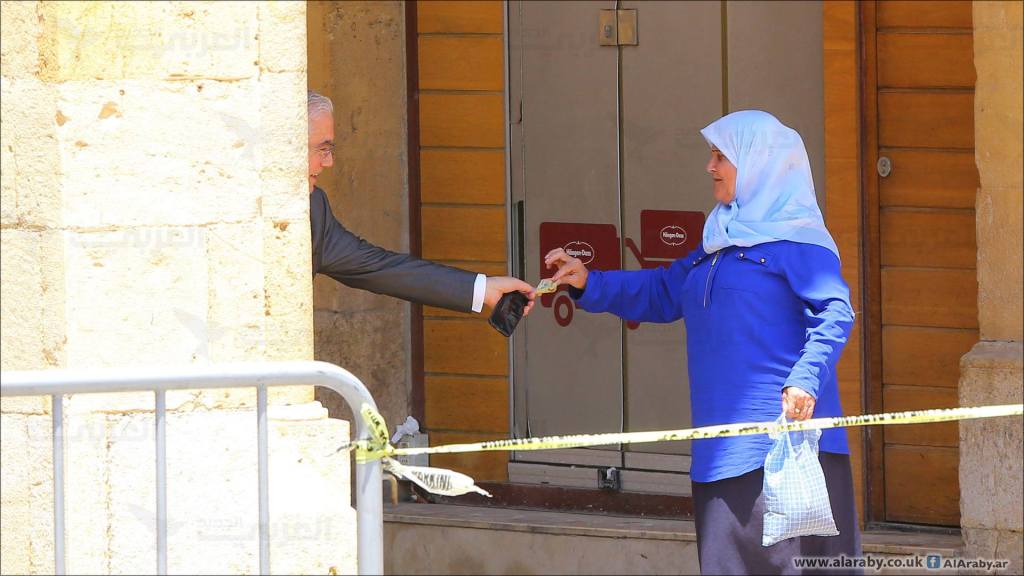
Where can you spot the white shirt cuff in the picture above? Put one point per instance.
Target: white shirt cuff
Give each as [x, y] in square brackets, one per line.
[479, 289]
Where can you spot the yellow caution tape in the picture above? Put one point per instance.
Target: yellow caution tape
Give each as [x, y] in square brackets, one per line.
[434, 480]
[447, 482]
[721, 431]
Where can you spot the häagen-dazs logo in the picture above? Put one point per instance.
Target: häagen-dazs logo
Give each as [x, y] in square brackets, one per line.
[673, 235]
[581, 250]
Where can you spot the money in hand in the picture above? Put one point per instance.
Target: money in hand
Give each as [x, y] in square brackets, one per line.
[546, 286]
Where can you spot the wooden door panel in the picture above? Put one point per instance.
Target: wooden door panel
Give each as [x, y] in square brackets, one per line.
[929, 179]
[925, 60]
[922, 485]
[920, 250]
[927, 297]
[917, 14]
[933, 238]
[926, 120]
[924, 356]
[903, 398]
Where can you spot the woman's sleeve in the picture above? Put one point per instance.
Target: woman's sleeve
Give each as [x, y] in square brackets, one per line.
[814, 274]
[653, 295]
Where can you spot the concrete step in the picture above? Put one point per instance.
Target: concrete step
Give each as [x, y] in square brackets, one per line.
[454, 539]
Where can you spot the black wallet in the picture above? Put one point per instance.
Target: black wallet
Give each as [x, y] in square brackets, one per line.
[508, 312]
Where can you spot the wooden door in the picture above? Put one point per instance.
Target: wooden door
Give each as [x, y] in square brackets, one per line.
[920, 246]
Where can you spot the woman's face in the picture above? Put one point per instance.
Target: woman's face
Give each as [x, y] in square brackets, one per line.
[723, 172]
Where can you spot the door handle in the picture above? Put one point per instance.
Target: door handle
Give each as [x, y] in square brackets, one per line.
[884, 166]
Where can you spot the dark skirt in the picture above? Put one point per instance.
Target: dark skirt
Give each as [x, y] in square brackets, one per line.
[729, 517]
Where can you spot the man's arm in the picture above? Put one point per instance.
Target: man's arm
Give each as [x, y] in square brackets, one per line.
[355, 262]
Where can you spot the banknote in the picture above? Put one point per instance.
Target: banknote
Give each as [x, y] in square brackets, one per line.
[546, 286]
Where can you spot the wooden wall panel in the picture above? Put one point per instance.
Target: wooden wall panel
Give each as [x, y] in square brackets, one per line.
[926, 356]
[470, 347]
[930, 297]
[922, 484]
[902, 398]
[462, 63]
[934, 238]
[917, 14]
[459, 16]
[462, 120]
[925, 60]
[843, 202]
[481, 466]
[929, 179]
[926, 119]
[460, 176]
[467, 403]
[463, 214]
[464, 233]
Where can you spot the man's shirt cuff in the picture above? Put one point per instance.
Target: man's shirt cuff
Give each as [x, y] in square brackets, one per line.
[479, 289]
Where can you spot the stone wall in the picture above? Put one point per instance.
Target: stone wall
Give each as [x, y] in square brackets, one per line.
[357, 58]
[154, 211]
[991, 485]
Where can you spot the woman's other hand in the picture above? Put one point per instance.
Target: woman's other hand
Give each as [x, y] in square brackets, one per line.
[570, 270]
[797, 404]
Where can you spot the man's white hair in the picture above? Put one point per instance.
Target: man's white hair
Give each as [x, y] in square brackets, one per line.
[317, 103]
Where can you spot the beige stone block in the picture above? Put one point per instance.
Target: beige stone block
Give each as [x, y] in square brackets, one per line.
[31, 306]
[284, 197]
[136, 300]
[127, 162]
[26, 495]
[235, 319]
[997, 15]
[283, 128]
[212, 493]
[87, 492]
[998, 107]
[282, 45]
[373, 345]
[991, 473]
[1000, 218]
[312, 528]
[19, 49]
[131, 494]
[217, 40]
[288, 310]
[114, 40]
[8, 185]
[994, 545]
[31, 159]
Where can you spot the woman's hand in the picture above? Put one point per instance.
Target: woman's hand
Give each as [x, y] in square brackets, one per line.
[797, 404]
[570, 270]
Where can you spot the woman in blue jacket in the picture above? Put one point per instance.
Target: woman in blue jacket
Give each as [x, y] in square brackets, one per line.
[767, 315]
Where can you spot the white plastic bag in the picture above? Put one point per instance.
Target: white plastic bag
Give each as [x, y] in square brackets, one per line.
[795, 495]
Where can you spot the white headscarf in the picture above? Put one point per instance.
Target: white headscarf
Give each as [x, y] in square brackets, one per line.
[774, 190]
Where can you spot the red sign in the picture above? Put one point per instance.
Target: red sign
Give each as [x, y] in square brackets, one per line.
[670, 234]
[596, 245]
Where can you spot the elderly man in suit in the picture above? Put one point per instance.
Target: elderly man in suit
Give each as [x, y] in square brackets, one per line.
[355, 262]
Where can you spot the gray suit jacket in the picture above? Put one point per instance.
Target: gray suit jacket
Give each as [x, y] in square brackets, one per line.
[355, 262]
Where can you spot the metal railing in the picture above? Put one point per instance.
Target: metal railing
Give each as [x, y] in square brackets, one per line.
[56, 383]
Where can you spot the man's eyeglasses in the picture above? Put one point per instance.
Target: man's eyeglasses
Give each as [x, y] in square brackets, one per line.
[325, 150]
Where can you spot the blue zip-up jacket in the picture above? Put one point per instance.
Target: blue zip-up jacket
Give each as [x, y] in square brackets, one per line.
[758, 319]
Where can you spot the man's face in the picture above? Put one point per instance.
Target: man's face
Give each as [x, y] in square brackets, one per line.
[321, 145]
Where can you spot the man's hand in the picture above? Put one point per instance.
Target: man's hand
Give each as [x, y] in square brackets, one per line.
[570, 270]
[498, 286]
[798, 404]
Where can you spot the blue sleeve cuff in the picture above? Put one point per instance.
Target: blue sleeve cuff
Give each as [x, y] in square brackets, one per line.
[589, 297]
